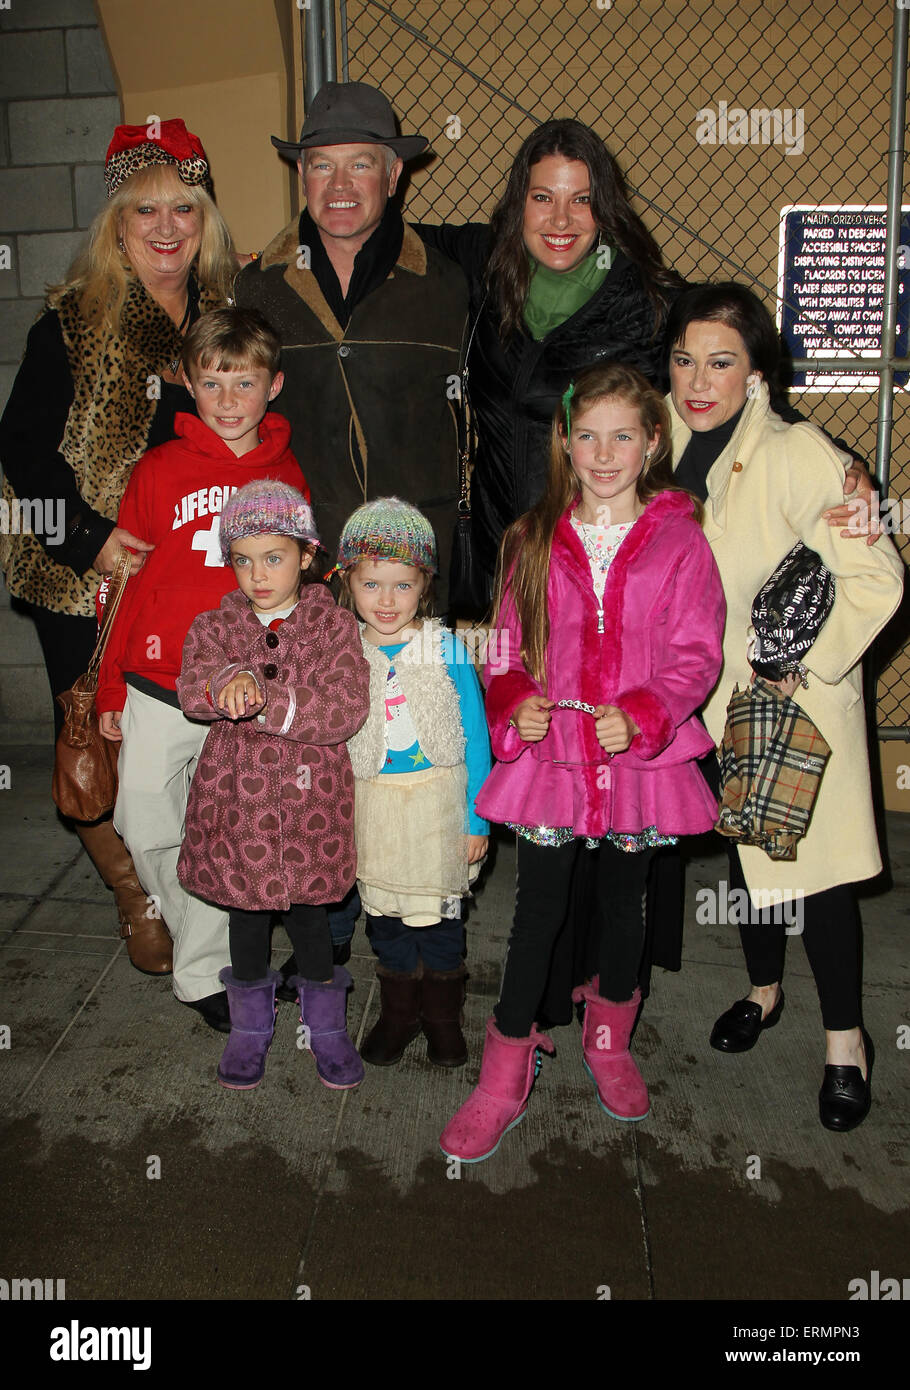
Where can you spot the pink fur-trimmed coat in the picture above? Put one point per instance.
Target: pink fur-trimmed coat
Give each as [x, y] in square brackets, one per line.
[270, 817]
[657, 659]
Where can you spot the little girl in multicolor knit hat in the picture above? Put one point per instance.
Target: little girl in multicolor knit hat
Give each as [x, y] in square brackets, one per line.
[278, 673]
[419, 761]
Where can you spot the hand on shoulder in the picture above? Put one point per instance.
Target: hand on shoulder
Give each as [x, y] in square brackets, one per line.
[859, 512]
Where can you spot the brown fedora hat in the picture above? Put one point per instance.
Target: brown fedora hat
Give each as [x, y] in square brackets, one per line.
[350, 113]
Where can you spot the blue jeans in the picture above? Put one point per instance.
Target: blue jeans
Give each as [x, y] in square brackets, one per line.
[399, 947]
[343, 917]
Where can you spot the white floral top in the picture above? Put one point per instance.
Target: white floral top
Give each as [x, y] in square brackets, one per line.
[601, 544]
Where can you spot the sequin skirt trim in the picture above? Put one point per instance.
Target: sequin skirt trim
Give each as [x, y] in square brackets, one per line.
[554, 836]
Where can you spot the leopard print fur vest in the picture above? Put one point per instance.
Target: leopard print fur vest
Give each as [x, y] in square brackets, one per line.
[114, 378]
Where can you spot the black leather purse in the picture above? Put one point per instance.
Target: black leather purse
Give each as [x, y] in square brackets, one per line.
[788, 613]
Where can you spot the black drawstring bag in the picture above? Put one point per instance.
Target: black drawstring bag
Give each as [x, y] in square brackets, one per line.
[469, 590]
[788, 613]
[469, 595]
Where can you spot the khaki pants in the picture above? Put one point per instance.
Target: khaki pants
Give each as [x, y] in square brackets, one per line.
[158, 757]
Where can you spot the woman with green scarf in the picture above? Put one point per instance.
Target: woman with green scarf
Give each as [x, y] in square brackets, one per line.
[566, 274]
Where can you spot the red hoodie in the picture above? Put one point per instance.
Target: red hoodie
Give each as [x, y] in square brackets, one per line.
[174, 499]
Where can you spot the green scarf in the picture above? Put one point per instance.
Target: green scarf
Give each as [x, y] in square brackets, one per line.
[555, 295]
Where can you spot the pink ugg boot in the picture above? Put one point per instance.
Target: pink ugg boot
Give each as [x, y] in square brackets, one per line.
[500, 1098]
[605, 1043]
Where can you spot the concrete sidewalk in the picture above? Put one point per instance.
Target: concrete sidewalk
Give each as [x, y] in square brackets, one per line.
[133, 1174]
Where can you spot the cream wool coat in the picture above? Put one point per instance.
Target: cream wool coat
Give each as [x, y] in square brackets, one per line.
[767, 490]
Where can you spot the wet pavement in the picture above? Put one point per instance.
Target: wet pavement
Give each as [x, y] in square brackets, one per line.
[131, 1174]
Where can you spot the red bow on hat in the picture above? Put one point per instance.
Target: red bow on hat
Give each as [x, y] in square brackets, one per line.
[171, 136]
[136, 147]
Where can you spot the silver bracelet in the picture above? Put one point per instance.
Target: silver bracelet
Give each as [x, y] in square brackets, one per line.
[576, 704]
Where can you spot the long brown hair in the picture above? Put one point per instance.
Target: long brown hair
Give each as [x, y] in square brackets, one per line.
[524, 556]
[508, 272]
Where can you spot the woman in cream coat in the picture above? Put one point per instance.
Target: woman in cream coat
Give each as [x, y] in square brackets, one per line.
[765, 484]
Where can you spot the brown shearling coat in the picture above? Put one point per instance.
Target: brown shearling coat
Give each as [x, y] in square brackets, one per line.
[371, 405]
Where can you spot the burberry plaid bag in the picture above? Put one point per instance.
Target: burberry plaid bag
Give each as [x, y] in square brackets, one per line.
[772, 758]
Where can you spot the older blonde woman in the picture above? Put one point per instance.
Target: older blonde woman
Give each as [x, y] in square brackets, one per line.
[98, 386]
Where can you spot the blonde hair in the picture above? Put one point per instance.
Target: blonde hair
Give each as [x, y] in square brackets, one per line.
[100, 272]
[524, 557]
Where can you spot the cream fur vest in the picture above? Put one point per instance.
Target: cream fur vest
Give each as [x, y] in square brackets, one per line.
[432, 700]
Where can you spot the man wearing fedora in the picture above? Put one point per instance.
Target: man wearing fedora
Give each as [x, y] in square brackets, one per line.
[371, 322]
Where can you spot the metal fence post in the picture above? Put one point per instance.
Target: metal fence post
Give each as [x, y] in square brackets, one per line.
[314, 58]
[892, 241]
[343, 12]
[330, 64]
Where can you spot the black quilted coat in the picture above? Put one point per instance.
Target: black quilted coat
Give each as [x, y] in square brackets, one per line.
[514, 389]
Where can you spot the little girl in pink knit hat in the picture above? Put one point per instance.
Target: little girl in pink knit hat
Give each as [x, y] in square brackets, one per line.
[278, 672]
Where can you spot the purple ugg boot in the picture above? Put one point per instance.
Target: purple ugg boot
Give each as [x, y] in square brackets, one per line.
[322, 1011]
[252, 1006]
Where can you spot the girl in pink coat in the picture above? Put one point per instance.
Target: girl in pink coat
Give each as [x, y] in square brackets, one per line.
[608, 629]
[279, 673]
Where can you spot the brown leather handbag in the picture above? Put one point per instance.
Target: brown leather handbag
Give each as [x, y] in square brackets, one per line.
[85, 766]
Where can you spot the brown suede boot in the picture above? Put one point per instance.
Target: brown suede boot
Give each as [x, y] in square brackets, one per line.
[399, 1018]
[147, 938]
[441, 1000]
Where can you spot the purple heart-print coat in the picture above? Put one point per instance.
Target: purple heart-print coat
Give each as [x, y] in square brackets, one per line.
[270, 817]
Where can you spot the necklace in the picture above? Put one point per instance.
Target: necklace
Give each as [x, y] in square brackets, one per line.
[182, 327]
[601, 542]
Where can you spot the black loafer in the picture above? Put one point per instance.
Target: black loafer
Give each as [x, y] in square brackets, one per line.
[845, 1098]
[214, 1009]
[738, 1029]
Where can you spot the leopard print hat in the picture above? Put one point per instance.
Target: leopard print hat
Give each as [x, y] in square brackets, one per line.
[136, 147]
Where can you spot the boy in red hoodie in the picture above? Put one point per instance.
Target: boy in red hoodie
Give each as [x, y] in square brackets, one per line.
[174, 500]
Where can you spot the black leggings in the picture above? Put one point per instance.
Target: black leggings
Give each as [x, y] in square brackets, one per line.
[306, 925]
[831, 932]
[67, 644]
[544, 879]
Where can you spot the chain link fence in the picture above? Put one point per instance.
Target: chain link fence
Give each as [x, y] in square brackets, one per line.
[720, 116]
